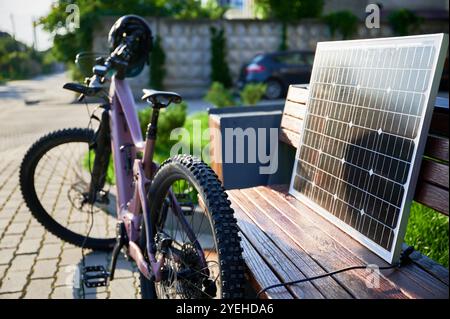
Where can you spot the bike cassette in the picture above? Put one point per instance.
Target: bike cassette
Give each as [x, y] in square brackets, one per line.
[95, 276]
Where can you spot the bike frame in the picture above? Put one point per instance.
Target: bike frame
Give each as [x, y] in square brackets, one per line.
[134, 176]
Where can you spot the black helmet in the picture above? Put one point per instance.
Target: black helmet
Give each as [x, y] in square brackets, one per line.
[138, 29]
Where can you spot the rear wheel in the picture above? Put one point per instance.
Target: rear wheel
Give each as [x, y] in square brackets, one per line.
[274, 89]
[217, 270]
[54, 180]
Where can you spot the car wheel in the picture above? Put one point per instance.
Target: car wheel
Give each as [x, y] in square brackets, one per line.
[274, 89]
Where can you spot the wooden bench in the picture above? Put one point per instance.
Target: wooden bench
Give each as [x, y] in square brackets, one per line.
[284, 240]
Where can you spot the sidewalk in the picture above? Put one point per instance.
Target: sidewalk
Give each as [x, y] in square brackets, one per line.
[33, 262]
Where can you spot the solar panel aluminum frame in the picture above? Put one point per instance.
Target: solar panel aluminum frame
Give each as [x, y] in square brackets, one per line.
[440, 43]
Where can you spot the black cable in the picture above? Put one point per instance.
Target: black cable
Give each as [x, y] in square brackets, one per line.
[404, 259]
[91, 212]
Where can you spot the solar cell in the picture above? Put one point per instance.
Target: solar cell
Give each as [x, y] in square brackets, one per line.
[368, 114]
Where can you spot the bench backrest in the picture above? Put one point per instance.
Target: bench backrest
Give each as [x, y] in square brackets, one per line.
[433, 185]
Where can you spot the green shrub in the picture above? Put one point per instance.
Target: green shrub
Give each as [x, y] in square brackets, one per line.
[169, 119]
[252, 93]
[220, 71]
[219, 96]
[157, 65]
[428, 231]
[404, 21]
[343, 22]
[202, 118]
[284, 37]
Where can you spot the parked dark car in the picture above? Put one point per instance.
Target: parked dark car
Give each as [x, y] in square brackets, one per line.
[278, 70]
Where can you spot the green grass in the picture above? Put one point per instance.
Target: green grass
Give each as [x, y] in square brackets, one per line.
[427, 231]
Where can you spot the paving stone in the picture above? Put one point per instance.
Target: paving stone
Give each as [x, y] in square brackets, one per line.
[29, 246]
[23, 263]
[67, 276]
[16, 228]
[3, 270]
[35, 223]
[6, 255]
[100, 295]
[34, 233]
[14, 281]
[122, 289]
[44, 268]
[49, 238]
[71, 256]
[12, 295]
[22, 217]
[3, 224]
[39, 289]
[98, 290]
[97, 258]
[10, 241]
[49, 251]
[64, 293]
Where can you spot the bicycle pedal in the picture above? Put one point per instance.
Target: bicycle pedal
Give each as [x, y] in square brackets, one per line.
[95, 276]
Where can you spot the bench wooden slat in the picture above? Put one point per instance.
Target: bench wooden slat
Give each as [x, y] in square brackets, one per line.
[434, 173]
[260, 273]
[439, 123]
[411, 280]
[437, 147]
[430, 266]
[432, 196]
[328, 253]
[289, 137]
[271, 253]
[297, 94]
[328, 287]
[288, 122]
[294, 109]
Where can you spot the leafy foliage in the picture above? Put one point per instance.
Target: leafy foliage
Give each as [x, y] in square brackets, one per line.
[157, 65]
[344, 22]
[67, 42]
[171, 118]
[404, 21]
[252, 93]
[219, 95]
[288, 11]
[193, 9]
[19, 61]
[283, 43]
[220, 71]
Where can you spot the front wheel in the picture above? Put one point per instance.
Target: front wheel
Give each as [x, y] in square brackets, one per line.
[54, 178]
[217, 270]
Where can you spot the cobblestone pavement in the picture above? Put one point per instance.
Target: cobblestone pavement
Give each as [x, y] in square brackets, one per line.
[33, 262]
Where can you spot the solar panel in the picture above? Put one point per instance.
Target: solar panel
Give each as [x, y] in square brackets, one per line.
[368, 114]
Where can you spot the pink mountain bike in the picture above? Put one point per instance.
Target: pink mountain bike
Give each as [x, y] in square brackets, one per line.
[174, 221]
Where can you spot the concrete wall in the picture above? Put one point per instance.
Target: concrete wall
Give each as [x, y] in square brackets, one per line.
[187, 46]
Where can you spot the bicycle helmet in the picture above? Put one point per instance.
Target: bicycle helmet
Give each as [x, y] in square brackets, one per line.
[134, 27]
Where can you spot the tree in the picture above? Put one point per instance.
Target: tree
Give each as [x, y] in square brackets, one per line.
[66, 43]
[287, 12]
[157, 65]
[219, 66]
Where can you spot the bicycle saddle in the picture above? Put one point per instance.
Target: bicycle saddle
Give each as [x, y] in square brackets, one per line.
[161, 98]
